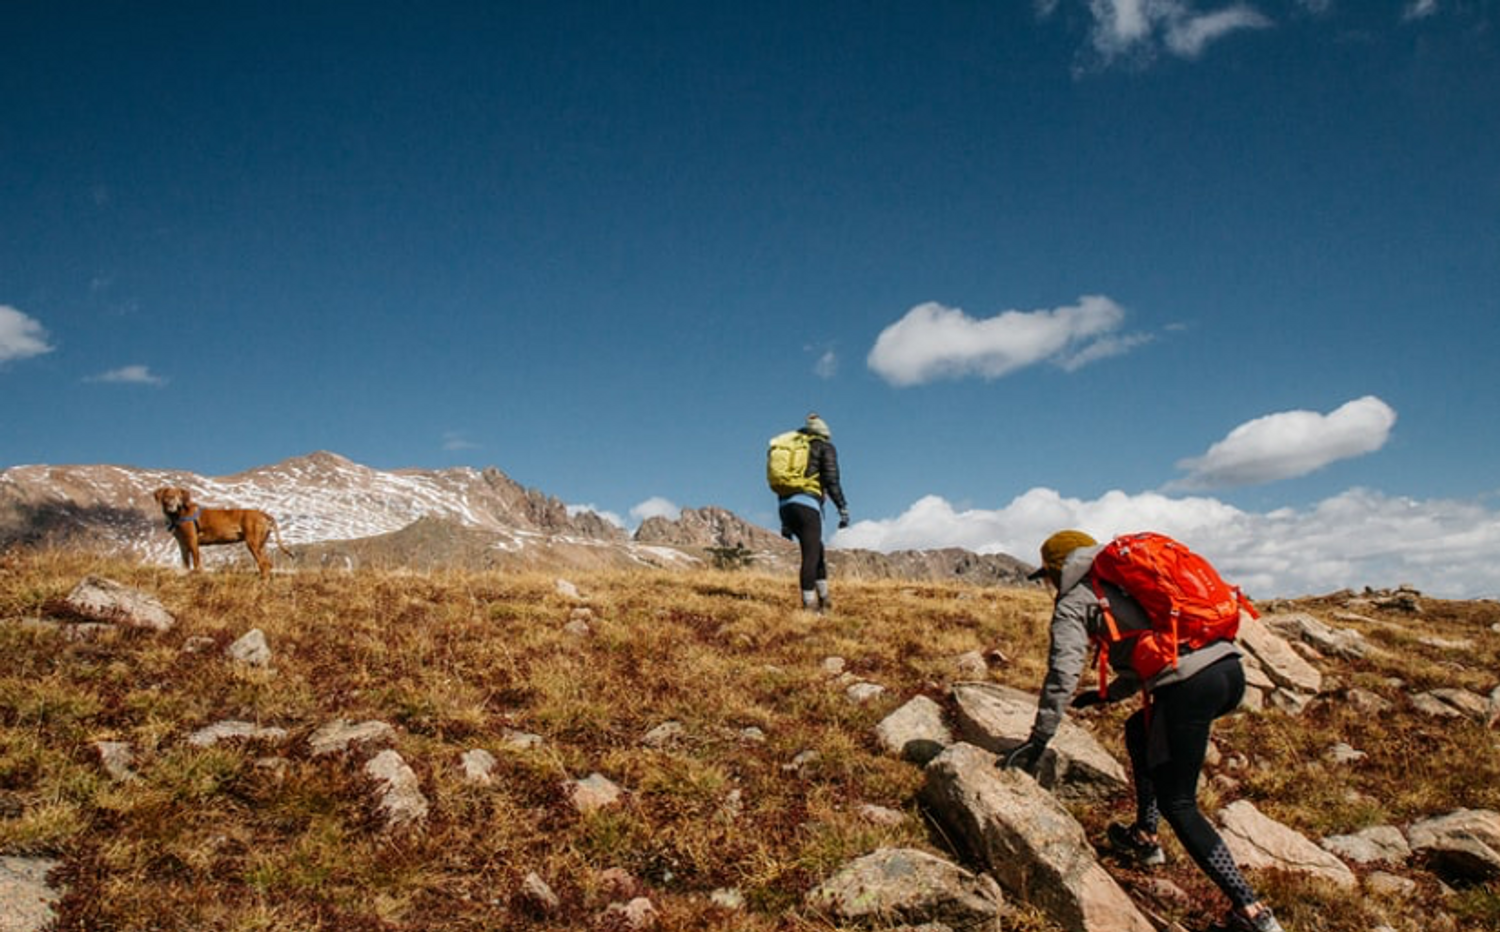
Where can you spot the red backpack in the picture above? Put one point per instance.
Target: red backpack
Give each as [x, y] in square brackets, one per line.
[1182, 594]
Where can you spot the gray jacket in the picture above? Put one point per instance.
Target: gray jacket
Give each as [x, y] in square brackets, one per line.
[1076, 618]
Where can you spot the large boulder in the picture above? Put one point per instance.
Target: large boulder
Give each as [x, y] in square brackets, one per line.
[1075, 765]
[908, 886]
[915, 731]
[104, 600]
[1257, 841]
[1027, 840]
[1286, 668]
[1463, 845]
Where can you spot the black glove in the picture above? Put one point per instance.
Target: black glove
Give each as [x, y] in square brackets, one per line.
[843, 517]
[1089, 697]
[786, 532]
[1024, 756]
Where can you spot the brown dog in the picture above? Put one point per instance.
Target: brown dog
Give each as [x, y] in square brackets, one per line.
[193, 525]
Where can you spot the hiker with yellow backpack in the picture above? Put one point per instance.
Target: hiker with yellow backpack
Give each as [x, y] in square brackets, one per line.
[802, 468]
[1163, 620]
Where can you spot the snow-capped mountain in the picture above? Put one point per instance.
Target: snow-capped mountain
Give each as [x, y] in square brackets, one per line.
[315, 499]
[335, 512]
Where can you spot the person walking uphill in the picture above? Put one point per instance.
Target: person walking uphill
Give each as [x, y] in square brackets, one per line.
[802, 468]
[1195, 678]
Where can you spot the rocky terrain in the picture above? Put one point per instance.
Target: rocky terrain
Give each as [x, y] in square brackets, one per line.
[333, 512]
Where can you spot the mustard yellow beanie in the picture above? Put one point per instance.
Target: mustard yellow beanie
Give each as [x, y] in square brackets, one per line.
[1055, 550]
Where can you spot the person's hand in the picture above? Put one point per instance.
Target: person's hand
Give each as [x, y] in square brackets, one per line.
[1089, 697]
[786, 532]
[843, 517]
[1024, 756]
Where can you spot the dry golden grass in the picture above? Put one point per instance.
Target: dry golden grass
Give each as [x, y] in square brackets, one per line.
[222, 838]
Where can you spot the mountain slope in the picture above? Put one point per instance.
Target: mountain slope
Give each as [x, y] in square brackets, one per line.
[335, 512]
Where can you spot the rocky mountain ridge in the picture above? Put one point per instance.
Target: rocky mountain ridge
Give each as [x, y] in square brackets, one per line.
[335, 512]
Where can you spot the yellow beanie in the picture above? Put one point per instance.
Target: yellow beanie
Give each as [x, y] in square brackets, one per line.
[1055, 550]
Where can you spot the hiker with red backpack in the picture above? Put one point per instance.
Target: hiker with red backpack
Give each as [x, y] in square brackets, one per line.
[802, 468]
[1165, 623]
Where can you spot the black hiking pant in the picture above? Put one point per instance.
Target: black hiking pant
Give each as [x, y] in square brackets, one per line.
[806, 524]
[1166, 759]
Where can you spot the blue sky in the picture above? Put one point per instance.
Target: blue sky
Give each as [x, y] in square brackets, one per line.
[1229, 270]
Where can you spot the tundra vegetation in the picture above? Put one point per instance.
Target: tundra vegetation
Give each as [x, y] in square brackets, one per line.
[761, 787]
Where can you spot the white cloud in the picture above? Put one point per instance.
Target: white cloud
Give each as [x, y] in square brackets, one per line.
[827, 365]
[454, 441]
[20, 336]
[933, 341]
[1420, 9]
[1359, 538]
[1137, 29]
[655, 507]
[129, 375]
[1189, 36]
[1289, 444]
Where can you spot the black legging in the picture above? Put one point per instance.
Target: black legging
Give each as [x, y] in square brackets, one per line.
[806, 524]
[1166, 763]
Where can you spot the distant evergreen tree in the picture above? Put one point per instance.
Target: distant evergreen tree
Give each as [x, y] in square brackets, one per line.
[736, 557]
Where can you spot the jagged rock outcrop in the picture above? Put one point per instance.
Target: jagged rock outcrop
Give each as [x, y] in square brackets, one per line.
[998, 718]
[1463, 846]
[703, 528]
[904, 885]
[1257, 841]
[1027, 840]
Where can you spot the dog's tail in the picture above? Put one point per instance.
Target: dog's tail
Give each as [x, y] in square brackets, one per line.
[276, 535]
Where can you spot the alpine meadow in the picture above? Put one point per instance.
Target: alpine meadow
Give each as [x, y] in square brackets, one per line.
[666, 749]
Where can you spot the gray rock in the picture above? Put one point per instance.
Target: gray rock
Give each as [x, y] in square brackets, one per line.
[863, 692]
[1282, 664]
[399, 793]
[478, 766]
[250, 649]
[1375, 845]
[118, 759]
[592, 793]
[1468, 704]
[1367, 702]
[1428, 704]
[1391, 886]
[26, 899]
[915, 731]
[104, 600]
[232, 730]
[1342, 753]
[1260, 842]
[337, 736]
[1027, 840]
[905, 885]
[639, 913]
[664, 735]
[537, 893]
[1075, 765]
[1463, 845]
[1340, 642]
[520, 740]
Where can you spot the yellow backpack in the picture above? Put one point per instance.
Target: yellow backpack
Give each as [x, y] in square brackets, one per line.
[786, 465]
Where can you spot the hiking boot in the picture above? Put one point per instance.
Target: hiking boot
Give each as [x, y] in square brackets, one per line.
[1128, 842]
[1264, 921]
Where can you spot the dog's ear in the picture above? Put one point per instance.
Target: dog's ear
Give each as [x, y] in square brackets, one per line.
[161, 496]
[187, 499]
